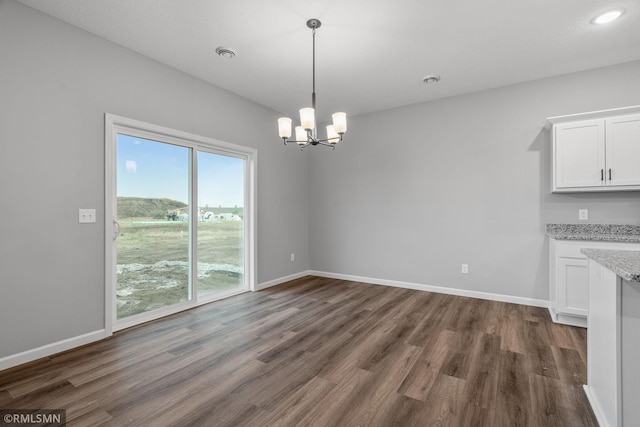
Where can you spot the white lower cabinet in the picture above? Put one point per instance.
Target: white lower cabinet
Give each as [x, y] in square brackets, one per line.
[572, 277]
[613, 372]
[569, 278]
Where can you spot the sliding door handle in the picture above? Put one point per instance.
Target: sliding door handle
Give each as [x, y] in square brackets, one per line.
[116, 227]
[601, 174]
[609, 174]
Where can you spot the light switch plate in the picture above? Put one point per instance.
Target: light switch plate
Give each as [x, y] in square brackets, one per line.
[86, 216]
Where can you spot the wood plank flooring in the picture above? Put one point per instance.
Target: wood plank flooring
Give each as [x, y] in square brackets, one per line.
[321, 352]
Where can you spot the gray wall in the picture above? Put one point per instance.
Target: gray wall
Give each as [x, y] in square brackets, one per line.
[411, 193]
[414, 192]
[56, 83]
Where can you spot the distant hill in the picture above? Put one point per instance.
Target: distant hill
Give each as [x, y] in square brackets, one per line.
[138, 207]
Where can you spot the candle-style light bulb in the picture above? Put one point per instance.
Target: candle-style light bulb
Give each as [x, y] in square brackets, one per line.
[284, 127]
[301, 135]
[340, 122]
[307, 118]
[332, 135]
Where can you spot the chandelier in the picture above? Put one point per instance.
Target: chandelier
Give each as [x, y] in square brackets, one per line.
[306, 133]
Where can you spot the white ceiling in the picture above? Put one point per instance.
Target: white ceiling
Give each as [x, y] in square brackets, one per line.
[371, 54]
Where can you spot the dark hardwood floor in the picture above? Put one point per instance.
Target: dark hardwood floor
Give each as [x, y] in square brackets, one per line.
[322, 352]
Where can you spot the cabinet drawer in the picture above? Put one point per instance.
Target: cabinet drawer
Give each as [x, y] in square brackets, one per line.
[571, 250]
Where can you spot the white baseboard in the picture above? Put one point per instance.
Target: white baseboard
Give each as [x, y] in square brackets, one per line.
[439, 289]
[281, 280]
[595, 407]
[60, 346]
[50, 349]
[567, 319]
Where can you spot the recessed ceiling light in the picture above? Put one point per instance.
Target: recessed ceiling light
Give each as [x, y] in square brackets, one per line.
[607, 17]
[226, 52]
[430, 79]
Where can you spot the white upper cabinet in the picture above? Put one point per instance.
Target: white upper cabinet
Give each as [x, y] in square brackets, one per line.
[579, 152]
[623, 150]
[597, 151]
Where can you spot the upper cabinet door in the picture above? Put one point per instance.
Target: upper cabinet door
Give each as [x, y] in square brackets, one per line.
[579, 154]
[623, 150]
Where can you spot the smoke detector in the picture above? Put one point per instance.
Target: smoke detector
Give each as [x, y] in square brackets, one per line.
[430, 79]
[226, 52]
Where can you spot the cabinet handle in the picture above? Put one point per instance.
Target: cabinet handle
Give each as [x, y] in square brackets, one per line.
[601, 174]
[609, 174]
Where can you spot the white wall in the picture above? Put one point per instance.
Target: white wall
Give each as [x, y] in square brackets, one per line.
[414, 192]
[56, 83]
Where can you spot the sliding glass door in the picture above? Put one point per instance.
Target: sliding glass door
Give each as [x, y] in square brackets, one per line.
[221, 225]
[153, 198]
[182, 222]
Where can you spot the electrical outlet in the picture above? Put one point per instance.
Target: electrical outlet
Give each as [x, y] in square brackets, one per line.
[86, 216]
[583, 214]
[465, 268]
[293, 257]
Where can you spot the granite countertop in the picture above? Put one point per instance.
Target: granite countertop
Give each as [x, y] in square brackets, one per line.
[594, 232]
[625, 264]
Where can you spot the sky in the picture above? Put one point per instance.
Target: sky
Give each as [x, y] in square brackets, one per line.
[152, 169]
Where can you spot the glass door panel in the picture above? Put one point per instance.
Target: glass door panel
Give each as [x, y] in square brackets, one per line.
[221, 225]
[152, 249]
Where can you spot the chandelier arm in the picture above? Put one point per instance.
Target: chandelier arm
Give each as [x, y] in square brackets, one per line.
[289, 141]
[311, 142]
[332, 146]
[320, 141]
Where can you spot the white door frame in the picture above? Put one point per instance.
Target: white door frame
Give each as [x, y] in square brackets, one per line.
[117, 124]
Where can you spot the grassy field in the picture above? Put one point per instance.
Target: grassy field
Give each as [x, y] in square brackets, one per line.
[153, 257]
